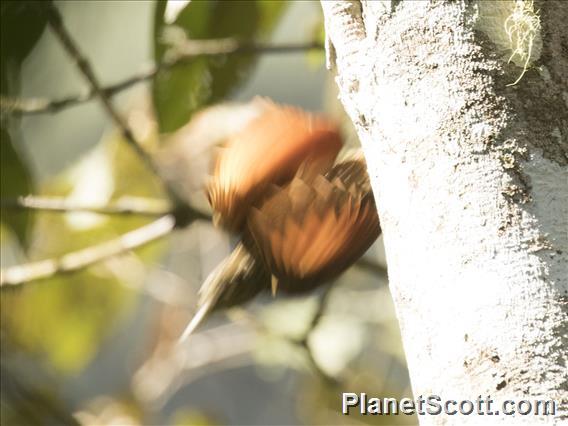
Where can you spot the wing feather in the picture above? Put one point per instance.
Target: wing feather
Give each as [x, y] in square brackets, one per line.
[320, 225]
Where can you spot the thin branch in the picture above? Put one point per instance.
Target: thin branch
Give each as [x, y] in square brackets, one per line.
[56, 23]
[323, 301]
[302, 342]
[318, 370]
[225, 46]
[80, 259]
[190, 50]
[123, 206]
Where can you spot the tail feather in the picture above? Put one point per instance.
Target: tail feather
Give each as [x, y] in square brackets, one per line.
[196, 321]
[236, 280]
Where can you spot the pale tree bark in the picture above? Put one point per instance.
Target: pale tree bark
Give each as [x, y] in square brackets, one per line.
[470, 177]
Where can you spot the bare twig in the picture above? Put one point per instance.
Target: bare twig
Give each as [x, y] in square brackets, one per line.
[82, 258]
[315, 366]
[122, 206]
[225, 46]
[304, 340]
[190, 50]
[56, 24]
[301, 342]
[320, 311]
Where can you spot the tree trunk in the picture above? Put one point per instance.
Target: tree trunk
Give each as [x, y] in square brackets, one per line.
[470, 177]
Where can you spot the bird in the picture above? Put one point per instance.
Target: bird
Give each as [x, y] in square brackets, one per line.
[312, 229]
[269, 150]
[303, 217]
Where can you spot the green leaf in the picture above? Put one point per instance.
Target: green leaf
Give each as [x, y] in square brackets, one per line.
[22, 24]
[14, 181]
[180, 91]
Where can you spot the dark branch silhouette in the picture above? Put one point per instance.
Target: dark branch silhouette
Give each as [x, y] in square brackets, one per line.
[189, 51]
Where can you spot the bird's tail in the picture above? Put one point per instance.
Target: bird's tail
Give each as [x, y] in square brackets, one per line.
[236, 280]
[196, 321]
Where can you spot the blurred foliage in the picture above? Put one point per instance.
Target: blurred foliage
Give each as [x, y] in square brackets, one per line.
[319, 403]
[180, 92]
[14, 181]
[65, 320]
[109, 411]
[25, 404]
[360, 347]
[67, 316]
[186, 417]
[22, 23]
